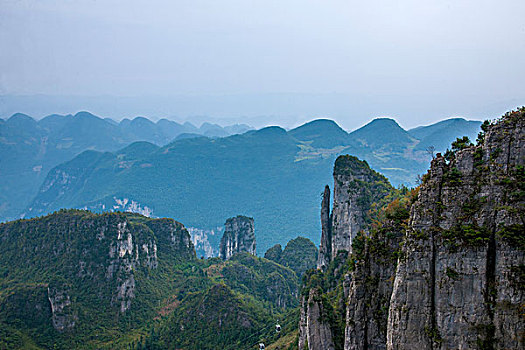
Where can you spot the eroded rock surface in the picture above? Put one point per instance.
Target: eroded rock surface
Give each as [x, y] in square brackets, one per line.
[356, 188]
[314, 330]
[238, 237]
[454, 286]
[90, 259]
[450, 275]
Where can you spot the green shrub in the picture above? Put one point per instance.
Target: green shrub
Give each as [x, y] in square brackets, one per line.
[514, 235]
[461, 143]
[453, 176]
[470, 235]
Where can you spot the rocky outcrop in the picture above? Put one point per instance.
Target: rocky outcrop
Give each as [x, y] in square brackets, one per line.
[238, 237]
[325, 248]
[175, 238]
[454, 287]
[370, 286]
[356, 188]
[440, 270]
[62, 315]
[314, 329]
[103, 257]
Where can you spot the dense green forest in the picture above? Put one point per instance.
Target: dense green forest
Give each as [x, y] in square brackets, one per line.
[29, 148]
[75, 279]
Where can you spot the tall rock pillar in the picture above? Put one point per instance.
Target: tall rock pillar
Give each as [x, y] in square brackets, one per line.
[325, 249]
[238, 237]
[356, 187]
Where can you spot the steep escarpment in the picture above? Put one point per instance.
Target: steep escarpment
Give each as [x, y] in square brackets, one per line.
[314, 330]
[75, 279]
[325, 248]
[356, 189]
[84, 269]
[369, 282]
[438, 267]
[238, 237]
[354, 289]
[359, 193]
[456, 279]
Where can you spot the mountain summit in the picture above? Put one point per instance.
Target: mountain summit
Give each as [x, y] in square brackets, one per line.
[322, 133]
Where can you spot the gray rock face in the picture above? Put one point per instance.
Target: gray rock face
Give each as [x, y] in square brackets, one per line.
[62, 316]
[455, 288]
[325, 249]
[314, 331]
[126, 254]
[453, 277]
[356, 187]
[369, 289]
[238, 237]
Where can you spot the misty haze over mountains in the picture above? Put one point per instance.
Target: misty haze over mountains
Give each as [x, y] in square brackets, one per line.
[200, 175]
[266, 174]
[287, 110]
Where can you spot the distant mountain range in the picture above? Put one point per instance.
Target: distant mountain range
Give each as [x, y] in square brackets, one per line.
[441, 134]
[200, 177]
[30, 148]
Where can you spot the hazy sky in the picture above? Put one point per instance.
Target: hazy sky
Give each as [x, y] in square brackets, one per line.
[450, 56]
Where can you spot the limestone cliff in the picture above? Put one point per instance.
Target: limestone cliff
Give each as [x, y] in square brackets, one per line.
[370, 286]
[457, 284]
[356, 188]
[85, 260]
[62, 315]
[440, 267]
[325, 248]
[314, 330]
[238, 237]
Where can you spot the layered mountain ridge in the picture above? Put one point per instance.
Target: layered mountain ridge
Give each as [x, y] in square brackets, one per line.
[203, 181]
[435, 267]
[29, 148]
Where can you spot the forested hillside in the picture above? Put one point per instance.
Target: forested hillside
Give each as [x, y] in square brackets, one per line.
[74, 279]
[269, 174]
[29, 148]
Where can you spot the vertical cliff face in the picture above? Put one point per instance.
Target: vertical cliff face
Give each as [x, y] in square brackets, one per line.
[464, 249]
[370, 285]
[314, 330]
[356, 188]
[175, 238]
[84, 259]
[325, 248]
[238, 237]
[441, 267]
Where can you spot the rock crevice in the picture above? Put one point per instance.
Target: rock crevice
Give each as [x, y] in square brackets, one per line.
[447, 276]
